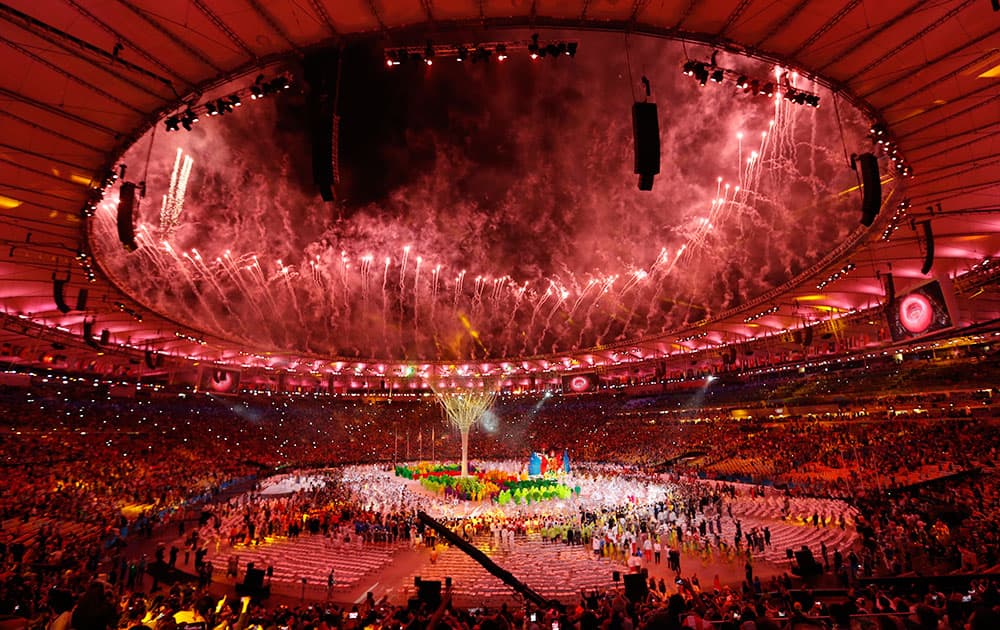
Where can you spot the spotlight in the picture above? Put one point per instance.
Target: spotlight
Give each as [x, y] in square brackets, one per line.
[533, 47]
[462, 53]
[812, 100]
[235, 100]
[552, 50]
[767, 90]
[189, 119]
[789, 94]
[571, 49]
[701, 74]
[689, 67]
[481, 54]
[501, 52]
[212, 109]
[742, 82]
[224, 106]
[429, 54]
[717, 75]
[173, 123]
[256, 92]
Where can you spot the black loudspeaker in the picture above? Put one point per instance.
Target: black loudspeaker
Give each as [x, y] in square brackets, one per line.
[807, 336]
[81, 300]
[88, 333]
[154, 360]
[429, 592]
[890, 289]
[807, 564]
[636, 588]
[928, 248]
[616, 576]
[126, 220]
[320, 71]
[871, 200]
[646, 133]
[254, 579]
[57, 294]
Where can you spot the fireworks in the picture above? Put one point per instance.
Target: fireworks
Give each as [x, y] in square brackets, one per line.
[542, 248]
[173, 201]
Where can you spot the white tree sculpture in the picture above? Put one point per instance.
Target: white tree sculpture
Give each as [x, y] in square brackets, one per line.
[465, 403]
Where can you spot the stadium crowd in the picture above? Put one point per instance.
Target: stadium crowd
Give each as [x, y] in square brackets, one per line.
[86, 473]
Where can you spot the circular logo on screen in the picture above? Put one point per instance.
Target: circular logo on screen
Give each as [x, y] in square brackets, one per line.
[579, 383]
[916, 313]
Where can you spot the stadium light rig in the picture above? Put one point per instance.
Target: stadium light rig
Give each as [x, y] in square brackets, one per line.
[846, 269]
[705, 71]
[260, 88]
[897, 217]
[881, 137]
[478, 51]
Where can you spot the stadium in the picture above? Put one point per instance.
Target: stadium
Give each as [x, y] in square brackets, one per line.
[596, 314]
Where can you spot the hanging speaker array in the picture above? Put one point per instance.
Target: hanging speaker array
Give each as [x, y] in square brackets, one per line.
[646, 133]
[126, 218]
[871, 200]
[928, 247]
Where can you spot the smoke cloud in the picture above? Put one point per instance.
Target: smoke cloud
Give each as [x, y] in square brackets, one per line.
[489, 210]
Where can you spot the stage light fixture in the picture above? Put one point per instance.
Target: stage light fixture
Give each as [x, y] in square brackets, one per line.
[701, 74]
[742, 82]
[461, 53]
[212, 109]
[173, 123]
[571, 49]
[235, 100]
[481, 54]
[767, 90]
[689, 67]
[189, 119]
[429, 54]
[501, 52]
[256, 92]
[717, 75]
[224, 106]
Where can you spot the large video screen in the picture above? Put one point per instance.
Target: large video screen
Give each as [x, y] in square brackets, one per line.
[580, 383]
[918, 313]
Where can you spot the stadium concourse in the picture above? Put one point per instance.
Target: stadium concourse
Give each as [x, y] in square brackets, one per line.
[705, 292]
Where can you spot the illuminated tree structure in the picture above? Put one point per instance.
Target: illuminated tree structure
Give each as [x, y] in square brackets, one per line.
[465, 403]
